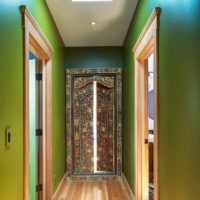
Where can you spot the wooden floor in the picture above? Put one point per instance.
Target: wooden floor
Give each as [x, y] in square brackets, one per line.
[92, 190]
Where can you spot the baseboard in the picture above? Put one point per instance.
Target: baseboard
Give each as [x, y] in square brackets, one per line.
[128, 189]
[59, 187]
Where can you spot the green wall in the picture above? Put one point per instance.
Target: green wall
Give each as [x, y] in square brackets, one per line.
[179, 96]
[11, 94]
[93, 57]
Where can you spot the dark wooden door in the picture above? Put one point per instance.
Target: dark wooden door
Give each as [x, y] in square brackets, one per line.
[105, 126]
[93, 124]
[82, 125]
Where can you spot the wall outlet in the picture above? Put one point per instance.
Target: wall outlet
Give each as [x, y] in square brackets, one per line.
[8, 137]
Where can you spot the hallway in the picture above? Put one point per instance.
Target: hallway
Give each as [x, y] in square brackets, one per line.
[51, 132]
[92, 190]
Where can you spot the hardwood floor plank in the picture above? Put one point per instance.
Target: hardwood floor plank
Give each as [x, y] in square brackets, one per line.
[85, 190]
[78, 191]
[71, 191]
[63, 190]
[104, 190]
[125, 192]
[93, 190]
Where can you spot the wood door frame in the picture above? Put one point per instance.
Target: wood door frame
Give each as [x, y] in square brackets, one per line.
[70, 73]
[146, 44]
[36, 41]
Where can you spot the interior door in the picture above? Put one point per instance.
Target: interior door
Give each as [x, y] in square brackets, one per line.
[105, 126]
[33, 168]
[93, 125]
[35, 127]
[83, 125]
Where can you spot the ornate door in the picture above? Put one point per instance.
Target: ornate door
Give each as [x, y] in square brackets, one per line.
[93, 122]
[105, 125]
[83, 125]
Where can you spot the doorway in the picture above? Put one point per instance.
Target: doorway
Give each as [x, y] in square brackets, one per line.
[37, 111]
[150, 99]
[146, 110]
[93, 122]
[35, 127]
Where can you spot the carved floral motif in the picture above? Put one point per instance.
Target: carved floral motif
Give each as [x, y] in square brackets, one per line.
[79, 120]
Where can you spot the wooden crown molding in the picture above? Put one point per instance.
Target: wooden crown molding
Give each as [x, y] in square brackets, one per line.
[27, 14]
[156, 13]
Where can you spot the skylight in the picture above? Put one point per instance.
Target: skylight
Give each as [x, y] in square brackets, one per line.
[90, 0]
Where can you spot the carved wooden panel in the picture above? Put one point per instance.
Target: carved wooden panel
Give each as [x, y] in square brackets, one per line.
[80, 122]
[105, 127]
[83, 127]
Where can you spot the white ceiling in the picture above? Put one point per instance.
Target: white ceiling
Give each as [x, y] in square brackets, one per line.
[73, 20]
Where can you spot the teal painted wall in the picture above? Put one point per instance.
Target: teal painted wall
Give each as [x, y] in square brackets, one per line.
[11, 94]
[94, 57]
[179, 96]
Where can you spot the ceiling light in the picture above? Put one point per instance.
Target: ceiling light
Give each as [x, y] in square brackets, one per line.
[93, 23]
[90, 0]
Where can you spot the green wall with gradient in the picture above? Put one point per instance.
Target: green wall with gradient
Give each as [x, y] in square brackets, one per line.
[11, 94]
[179, 96]
[93, 57]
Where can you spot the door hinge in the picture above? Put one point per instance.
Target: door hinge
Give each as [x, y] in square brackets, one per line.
[146, 141]
[39, 132]
[38, 76]
[39, 188]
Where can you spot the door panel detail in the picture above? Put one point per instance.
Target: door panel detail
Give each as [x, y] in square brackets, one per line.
[82, 124]
[93, 111]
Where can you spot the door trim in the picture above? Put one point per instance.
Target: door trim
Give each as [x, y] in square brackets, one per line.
[146, 44]
[35, 40]
[70, 74]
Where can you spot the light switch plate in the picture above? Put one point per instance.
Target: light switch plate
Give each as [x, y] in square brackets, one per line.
[8, 137]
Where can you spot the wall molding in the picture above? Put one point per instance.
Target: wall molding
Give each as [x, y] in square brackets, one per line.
[61, 184]
[147, 44]
[155, 14]
[127, 187]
